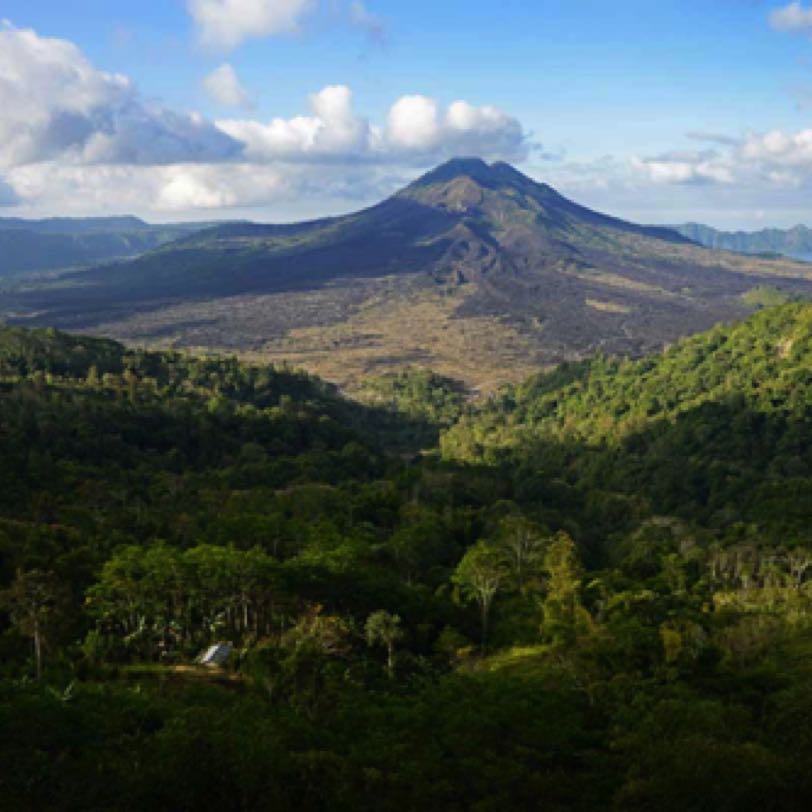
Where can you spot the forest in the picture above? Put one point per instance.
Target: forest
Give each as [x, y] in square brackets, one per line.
[591, 590]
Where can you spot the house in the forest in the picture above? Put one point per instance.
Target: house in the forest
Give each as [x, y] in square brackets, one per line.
[216, 656]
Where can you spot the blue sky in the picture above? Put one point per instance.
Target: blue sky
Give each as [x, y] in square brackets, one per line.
[660, 111]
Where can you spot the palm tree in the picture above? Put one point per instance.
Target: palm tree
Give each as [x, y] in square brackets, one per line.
[383, 627]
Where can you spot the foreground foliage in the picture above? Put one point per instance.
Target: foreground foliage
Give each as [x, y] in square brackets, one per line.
[597, 596]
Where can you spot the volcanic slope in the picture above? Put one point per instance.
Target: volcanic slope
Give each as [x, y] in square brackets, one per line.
[474, 270]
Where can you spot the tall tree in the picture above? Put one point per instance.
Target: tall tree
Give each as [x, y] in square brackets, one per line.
[562, 605]
[522, 543]
[383, 627]
[35, 601]
[479, 576]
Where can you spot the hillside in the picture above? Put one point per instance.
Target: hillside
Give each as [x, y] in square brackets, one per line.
[474, 271]
[598, 596]
[56, 243]
[793, 242]
[716, 428]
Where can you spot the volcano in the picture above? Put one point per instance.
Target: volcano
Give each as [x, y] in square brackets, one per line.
[474, 270]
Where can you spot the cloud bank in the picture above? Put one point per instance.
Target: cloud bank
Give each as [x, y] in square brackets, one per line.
[776, 158]
[55, 104]
[69, 130]
[417, 130]
[76, 139]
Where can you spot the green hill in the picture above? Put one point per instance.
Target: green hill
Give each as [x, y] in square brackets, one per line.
[595, 594]
[715, 427]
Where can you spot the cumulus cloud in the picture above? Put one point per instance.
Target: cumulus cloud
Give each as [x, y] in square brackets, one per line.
[332, 130]
[416, 130]
[54, 103]
[793, 17]
[413, 123]
[70, 131]
[416, 124]
[227, 23]
[775, 158]
[780, 150]
[685, 167]
[223, 86]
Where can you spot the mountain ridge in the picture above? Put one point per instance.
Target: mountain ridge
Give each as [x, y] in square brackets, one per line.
[794, 242]
[474, 270]
[64, 243]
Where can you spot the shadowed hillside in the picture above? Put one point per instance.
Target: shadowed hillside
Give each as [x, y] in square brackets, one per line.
[64, 242]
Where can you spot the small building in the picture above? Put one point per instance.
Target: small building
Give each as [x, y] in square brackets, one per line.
[216, 656]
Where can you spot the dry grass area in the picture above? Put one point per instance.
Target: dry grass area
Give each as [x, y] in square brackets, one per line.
[346, 333]
[617, 281]
[608, 307]
[417, 329]
[235, 323]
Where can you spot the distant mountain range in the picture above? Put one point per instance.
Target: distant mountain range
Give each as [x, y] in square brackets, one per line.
[474, 270]
[793, 242]
[66, 242]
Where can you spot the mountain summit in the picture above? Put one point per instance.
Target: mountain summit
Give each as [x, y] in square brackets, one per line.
[500, 192]
[473, 269]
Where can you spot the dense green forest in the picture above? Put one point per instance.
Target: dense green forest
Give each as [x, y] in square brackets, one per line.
[591, 591]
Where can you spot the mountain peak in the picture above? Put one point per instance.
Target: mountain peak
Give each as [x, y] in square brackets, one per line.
[462, 184]
[458, 167]
[474, 168]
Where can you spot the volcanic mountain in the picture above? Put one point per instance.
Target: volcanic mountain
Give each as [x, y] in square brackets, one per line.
[474, 270]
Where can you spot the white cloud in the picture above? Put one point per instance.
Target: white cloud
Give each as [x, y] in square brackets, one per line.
[223, 86]
[180, 190]
[413, 123]
[75, 138]
[417, 125]
[793, 17]
[685, 167]
[174, 188]
[764, 160]
[416, 130]
[55, 104]
[777, 149]
[483, 130]
[332, 129]
[227, 23]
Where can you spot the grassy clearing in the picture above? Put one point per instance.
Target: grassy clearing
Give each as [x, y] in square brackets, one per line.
[518, 661]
